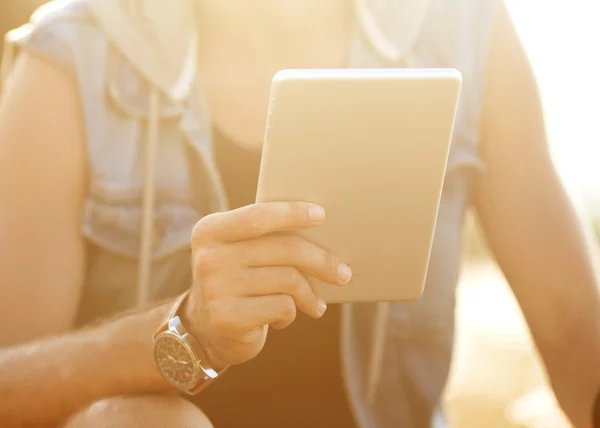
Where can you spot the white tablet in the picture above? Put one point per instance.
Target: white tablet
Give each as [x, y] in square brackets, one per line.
[371, 147]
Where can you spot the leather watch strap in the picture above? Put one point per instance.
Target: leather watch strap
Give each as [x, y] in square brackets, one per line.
[173, 312]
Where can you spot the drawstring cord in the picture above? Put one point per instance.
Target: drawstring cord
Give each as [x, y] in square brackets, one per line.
[372, 32]
[177, 92]
[149, 195]
[388, 52]
[375, 368]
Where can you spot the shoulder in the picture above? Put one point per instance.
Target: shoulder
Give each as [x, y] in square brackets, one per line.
[156, 39]
[467, 19]
[39, 81]
[442, 27]
[54, 19]
[62, 10]
[55, 31]
[510, 80]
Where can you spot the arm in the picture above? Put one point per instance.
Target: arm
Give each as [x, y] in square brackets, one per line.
[533, 230]
[42, 158]
[42, 263]
[43, 383]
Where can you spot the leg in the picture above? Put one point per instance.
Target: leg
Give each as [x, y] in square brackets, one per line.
[147, 411]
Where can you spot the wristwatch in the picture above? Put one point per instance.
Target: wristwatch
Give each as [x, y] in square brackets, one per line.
[179, 357]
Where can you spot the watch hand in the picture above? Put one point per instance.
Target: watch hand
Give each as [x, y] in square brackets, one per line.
[177, 361]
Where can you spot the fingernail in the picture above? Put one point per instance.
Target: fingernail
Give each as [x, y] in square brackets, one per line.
[316, 213]
[344, 273]
[321, 307]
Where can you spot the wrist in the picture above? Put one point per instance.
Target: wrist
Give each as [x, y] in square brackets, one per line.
[180, 358]
[189, 318]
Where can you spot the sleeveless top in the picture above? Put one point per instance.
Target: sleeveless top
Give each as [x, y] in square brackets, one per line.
[147, 126]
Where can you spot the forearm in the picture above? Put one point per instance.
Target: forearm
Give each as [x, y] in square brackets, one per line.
[574, 377]
[547, 258]
[566, 268]
[44, 382]
[533, 229]
[572, 358]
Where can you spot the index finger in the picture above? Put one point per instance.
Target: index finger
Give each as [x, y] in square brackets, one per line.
[256, 220]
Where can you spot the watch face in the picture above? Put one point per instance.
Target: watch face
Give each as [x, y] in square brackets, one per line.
[176, 361]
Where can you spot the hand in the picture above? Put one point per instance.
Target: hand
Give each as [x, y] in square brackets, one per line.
[249, 273]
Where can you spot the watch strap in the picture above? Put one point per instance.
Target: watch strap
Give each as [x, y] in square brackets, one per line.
[172, 313]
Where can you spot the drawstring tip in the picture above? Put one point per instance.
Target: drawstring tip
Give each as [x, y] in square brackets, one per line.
[377, 351]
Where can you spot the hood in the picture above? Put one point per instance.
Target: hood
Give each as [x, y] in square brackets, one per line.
[156, 36]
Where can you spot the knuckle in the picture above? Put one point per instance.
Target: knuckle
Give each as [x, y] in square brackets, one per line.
[298, 249]
[206, 260]
[256, 218]
[296, 211]
[291, 278]
[330, 264]
[247, 340]
[254, 222]
[296, 282]
[288, 308]
[202, 228]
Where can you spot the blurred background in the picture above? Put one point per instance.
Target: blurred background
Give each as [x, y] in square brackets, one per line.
[497, 379]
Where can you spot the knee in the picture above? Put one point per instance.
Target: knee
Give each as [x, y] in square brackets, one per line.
[140, 411]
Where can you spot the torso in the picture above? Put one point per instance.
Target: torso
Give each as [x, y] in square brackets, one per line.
[243, 45]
